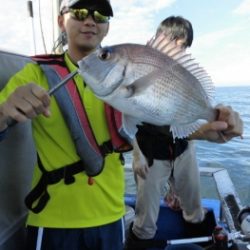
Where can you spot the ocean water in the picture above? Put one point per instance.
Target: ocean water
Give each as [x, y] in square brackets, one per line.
[233, 155]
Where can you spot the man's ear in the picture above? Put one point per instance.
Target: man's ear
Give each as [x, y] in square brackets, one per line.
[60, 21]
[180, 41]
[107, 30]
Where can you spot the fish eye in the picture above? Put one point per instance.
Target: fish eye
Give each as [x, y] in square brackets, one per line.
[105, 54]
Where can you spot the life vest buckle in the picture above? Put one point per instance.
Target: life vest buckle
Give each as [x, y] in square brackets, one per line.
[106, 148]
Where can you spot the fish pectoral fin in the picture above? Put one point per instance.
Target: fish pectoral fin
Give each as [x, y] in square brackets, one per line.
[183, 131]
[144, 82]
[129, 124]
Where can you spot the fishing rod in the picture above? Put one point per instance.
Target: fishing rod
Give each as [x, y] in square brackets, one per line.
[61, 83]
[190, 240]
[11, 122]
[220, 239]
[31, 15]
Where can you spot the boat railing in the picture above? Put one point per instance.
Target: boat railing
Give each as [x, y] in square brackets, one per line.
[18, 156]
[229, 198]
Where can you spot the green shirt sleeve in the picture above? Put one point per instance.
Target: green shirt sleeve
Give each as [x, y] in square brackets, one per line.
[31, 73]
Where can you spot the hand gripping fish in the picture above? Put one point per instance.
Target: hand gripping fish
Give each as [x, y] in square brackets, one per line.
[157, 83]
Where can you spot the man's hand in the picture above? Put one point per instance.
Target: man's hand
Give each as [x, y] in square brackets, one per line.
[140, 164]
[26, 102]
[227, 126]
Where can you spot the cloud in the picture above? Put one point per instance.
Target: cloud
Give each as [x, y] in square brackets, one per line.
[225, 54]
[218, 37]
[14, 26]
[134, 22]
[145, 6]
[243, 8]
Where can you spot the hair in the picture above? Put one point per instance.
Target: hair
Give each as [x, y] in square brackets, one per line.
[178, 28]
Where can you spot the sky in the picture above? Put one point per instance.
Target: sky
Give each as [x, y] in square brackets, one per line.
[221, 30]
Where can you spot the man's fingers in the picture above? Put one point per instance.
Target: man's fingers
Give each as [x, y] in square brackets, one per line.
[26, 102]
[213, 126]
[41, 95]
[232, 118]
[217, 126]
[223, 112]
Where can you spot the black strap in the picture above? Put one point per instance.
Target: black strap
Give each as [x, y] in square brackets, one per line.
[39, 193]
[155, 144]
[106, 148]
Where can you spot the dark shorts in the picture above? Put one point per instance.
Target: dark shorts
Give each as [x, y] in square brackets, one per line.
[184, 247]
[107, 237]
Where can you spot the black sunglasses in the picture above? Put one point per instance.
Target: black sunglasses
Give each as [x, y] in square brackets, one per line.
[82, 14]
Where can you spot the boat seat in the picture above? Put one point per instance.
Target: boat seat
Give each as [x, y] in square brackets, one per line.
[18, 157]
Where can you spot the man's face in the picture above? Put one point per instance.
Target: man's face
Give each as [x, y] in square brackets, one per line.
[83, 35]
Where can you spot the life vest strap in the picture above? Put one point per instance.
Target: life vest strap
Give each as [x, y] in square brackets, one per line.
[39, 193]
[106, 148]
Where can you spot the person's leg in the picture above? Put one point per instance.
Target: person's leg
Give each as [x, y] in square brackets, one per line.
[106, 237]
[186, 185]
[147, 208]
[148, 199]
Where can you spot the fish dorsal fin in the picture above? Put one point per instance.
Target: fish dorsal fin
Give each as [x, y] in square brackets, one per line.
[164, 44]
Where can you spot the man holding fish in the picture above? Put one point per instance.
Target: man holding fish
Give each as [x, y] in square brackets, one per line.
[78, 187]
[164, 159]
[158, 159]
[77, 200]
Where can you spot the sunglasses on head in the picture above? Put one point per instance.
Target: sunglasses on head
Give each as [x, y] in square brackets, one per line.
[82, 14]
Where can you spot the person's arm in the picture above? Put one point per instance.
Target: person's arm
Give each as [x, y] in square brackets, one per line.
[140, 164]
[26, 102]
[227, 126]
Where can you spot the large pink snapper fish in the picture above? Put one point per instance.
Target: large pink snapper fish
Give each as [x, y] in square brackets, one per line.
[149, 86]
